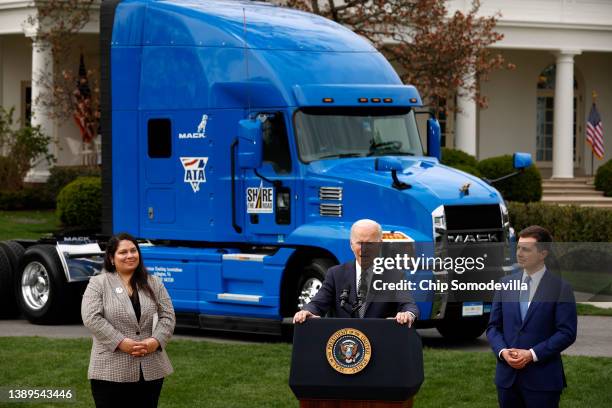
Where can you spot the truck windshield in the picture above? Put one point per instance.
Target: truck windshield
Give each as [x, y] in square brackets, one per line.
[324, 133]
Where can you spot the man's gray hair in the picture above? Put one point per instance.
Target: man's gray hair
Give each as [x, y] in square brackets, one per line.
[365, 223]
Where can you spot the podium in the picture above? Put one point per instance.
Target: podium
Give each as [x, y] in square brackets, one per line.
[355, 363]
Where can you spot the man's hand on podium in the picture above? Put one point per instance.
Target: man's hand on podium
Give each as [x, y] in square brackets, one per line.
[405, 317]
[302, 315]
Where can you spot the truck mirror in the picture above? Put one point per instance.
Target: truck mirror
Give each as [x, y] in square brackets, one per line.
[387, 164]
[393, 165]
[250, 144]
[521, 160]
[433, 138]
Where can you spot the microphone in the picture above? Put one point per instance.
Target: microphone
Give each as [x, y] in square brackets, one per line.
[344, 295]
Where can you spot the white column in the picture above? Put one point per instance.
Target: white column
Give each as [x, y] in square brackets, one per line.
[1, 72]
[465, 119]
[563, 133]
[42, 68]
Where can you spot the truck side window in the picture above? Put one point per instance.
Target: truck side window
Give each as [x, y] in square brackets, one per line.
[276, 142]
[159, 138]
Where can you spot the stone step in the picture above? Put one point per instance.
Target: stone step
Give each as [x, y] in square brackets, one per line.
[571, 191]
[578, 200]
[582, 179]
[576, 189]
[568, 186]
[563, 185]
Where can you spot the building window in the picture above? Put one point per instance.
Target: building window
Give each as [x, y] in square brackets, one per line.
[546, 112]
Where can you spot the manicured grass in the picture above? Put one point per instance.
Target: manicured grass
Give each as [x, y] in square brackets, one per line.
[27, 224]
[590, 310]
[256, 375]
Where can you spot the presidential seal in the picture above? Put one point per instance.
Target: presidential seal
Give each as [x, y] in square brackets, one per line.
[348, 351]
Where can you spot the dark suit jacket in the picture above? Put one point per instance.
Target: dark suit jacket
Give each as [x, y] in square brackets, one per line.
[549, 328]
[341, 277]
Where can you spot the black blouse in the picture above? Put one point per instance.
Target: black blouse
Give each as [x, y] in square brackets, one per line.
[135, 303]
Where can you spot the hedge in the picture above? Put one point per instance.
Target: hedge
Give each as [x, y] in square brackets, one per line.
[61, 176]
[566, 223]
[79, 204]
[603, 178]
[28, 198]
[453, 157]
[525, 187]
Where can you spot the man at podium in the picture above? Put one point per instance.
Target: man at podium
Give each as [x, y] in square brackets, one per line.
[345, 289]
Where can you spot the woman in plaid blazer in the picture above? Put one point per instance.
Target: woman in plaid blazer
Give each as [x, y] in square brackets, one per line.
[131, 318]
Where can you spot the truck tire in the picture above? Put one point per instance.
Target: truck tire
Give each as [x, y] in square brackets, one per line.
[14, 251]
[464, 329]
[310, 280]
[8, 306]
[40, 287]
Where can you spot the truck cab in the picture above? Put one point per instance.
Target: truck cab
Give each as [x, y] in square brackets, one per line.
[241, 140]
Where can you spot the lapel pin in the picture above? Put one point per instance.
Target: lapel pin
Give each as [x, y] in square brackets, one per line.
[119, 290]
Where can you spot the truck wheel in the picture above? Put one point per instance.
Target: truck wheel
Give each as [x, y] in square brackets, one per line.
[311, 279]
[41, 288]
[14, 251]
[463, 330]
[8, 306]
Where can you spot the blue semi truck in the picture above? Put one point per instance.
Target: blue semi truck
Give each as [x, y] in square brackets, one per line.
[240, 142]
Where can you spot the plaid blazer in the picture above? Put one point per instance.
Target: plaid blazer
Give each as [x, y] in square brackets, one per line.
[108, 313]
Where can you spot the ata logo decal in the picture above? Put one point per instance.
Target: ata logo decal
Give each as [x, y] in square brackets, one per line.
[201, 130]
[260, 200]
[194, 171]
[348, 351]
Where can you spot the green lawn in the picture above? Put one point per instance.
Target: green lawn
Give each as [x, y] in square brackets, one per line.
[27, 224]
[256, 375]
[590, 310]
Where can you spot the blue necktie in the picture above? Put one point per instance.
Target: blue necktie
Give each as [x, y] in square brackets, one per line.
[524, 297]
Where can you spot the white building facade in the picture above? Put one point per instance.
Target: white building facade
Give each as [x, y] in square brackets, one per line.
[562, 50]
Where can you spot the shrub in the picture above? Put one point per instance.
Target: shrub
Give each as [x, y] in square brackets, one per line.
[79, 204]
[61, 176]
[29, 198]
[566, 223]
[603, 178]
[468, 169]
[525, 187]
[22, 145]
[452, 158]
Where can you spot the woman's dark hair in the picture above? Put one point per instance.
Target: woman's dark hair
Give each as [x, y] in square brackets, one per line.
[140, 278]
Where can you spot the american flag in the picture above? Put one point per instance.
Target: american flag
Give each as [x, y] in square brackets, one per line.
[83, 114]
[594, 133]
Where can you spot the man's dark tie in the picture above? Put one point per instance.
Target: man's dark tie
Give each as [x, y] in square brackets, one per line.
[524, 297]
[362, 285]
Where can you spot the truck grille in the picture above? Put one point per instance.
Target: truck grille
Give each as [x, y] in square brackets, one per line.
[330, 210]
[330, 193]
[473, 217]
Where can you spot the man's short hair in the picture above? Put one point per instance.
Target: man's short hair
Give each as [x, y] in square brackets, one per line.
[542, 236]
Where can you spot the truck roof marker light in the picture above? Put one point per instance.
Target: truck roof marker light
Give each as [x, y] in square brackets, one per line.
[388, 100]
[375, 100]
[328, 100]
[413, 100]
[362, 100]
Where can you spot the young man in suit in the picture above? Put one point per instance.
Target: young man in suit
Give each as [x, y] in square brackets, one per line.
[530, 328]
[348, 279]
